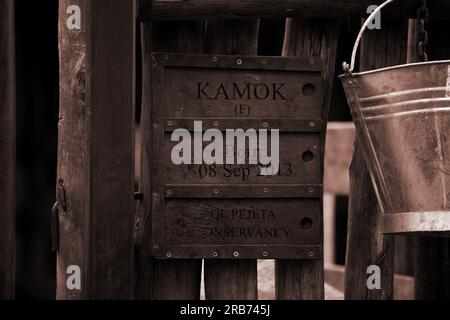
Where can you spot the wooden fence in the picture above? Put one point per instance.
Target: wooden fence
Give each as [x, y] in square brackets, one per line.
[105, 230]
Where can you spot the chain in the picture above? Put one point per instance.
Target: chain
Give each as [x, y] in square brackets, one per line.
[423, 15]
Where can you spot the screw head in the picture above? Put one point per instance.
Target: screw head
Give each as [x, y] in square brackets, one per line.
[236, 254]
[216, 191]
[266, 190]
[265, 254]
[215, 254]
[239, 61]
[312, 124]
[170, 123]
[216, 123]
[169, 254]
[311, 254]
[265, 124]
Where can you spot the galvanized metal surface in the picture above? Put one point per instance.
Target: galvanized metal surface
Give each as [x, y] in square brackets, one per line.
[230, 211]
[402, 117]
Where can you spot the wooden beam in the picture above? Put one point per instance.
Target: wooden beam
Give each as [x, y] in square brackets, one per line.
[297, 279]
[7, 149]
[195, 9]
[95, 152]
[231, 279]
[432, 261]
[366, 246]
[162, 279]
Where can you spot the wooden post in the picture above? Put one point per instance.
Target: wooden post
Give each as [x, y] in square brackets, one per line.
[297, 279]
[162, 279]
[7, 150]
[366, 246]
[231, 279]
[432, 272]
[95, 153]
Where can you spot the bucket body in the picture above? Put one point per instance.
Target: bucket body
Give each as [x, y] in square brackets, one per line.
[402, 118]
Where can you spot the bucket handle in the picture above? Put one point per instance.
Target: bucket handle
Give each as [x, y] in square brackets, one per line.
[349, 68]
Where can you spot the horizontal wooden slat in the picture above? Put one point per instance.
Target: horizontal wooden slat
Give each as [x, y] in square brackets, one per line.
[283, 125]
[243, 191]
[189, 9]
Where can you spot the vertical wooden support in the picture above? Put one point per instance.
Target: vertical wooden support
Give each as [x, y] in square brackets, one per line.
[297, 279]
[366, 245]
[231, 279]
[7, 149]
[95, 152]
[162, 279]
[432, 281]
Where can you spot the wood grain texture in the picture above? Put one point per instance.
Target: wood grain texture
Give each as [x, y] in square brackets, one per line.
[432, 254]
[95, 151]
[188, 9]
[366, 245]
[162, 279]
[7, 150]
[230, 279]
[297, 279]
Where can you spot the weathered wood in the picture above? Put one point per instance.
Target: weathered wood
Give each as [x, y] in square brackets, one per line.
[301, 279]
[230, 279]
[7, 150]
[189, 9]
[432, 260]
[366, 245]
[162, 279]
[95, 152]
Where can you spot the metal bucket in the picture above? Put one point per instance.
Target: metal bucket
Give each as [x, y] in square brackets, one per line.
[402, 119]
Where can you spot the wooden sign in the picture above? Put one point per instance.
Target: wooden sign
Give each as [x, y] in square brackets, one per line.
[236, 157]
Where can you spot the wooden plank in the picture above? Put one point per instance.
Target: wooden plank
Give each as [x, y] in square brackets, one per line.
[231, 279]
[189, 9]
[95, 152]
[301, 279]
[162, 279]
[7, 150]
[432, 260]
[366, 245]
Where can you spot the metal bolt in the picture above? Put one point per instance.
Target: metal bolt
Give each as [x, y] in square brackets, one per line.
[169, 255]
[215, 254]
[266, 190]
[216, 191]
[170, 123]
[155, 246]
[214, 59]
[216, 123]
[265, 124]
[311, 254]
[312, 124]
[236, 254]
[265, 254]
[239, 61]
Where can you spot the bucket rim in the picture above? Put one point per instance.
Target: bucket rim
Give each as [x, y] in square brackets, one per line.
[401, 66]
